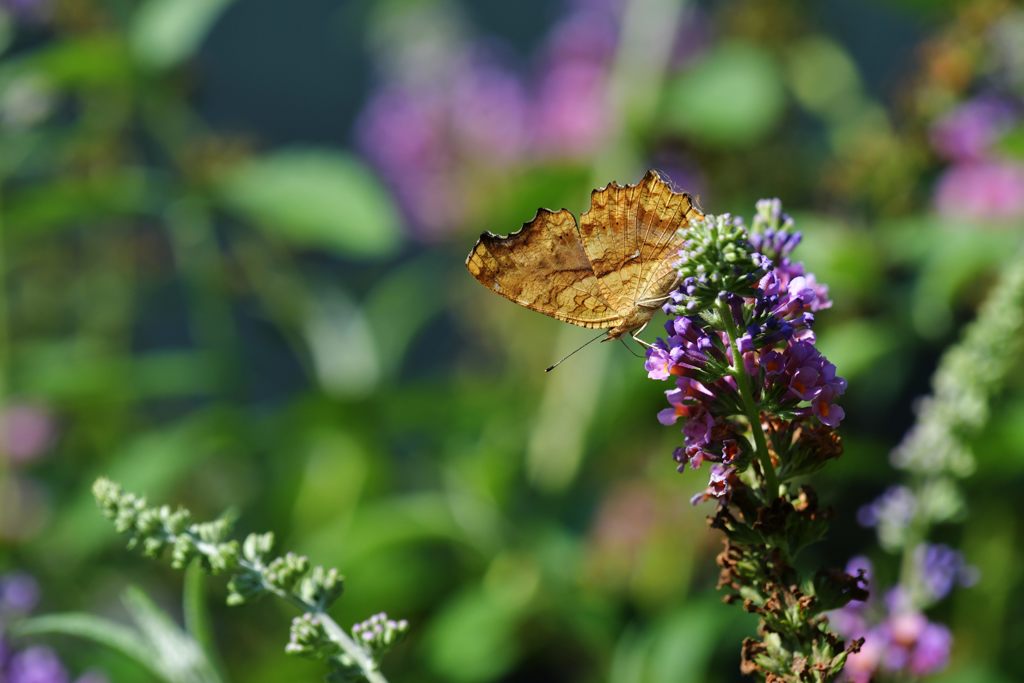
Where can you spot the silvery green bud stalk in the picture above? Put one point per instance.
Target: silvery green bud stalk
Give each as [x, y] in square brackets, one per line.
[936, 454]
[256, 572]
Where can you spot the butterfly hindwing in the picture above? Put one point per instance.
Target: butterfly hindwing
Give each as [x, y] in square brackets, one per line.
[543, 266]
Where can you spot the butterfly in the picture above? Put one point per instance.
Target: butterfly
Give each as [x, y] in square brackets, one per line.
[613, 271]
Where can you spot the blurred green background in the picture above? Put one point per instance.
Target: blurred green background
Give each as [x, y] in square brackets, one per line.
[232, 238]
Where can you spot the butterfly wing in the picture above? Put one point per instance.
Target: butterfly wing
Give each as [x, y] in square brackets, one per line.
[630, 235]
[543, 267]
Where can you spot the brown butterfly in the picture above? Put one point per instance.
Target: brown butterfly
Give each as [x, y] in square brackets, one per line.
[613, 271]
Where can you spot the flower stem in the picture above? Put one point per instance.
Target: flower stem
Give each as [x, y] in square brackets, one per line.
[750, 410]
[335, 632]
[916, 535]
[351, 648]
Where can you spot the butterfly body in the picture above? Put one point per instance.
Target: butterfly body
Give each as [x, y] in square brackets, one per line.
[611, 271]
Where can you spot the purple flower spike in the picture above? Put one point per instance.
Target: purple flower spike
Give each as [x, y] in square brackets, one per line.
[804, 383]
[825, 410]
[899, 638]
[774, 314]
[861, 666]
[26, 431]
[860, 566]
[983, 189]
[696, 456]
[491, 112]
[940, 568]
[897, 505]
[36, 665]
[759, 402]
[719, 486]
[679, 455]
[698, 428]
[668, 416]
[659, 363]
[969, 131]
[773, 363]
[931, 652]
[571, 117]
[19, 593]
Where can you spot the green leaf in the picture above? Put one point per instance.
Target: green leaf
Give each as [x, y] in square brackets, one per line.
[678, 647]
[629, 657]
[167, 32]
[315, 198]
[473, 638]
[88, 627]
[197, 617]
[685, 640]
[177, 653]
[855, 345]
[824, 77]
[730, 98]
[81, 62]
[334, 321]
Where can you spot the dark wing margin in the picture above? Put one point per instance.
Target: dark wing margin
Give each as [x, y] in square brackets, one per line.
[543, 267]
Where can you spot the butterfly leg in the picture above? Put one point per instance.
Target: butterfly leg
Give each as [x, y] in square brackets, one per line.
[654, 303]
[637, 339]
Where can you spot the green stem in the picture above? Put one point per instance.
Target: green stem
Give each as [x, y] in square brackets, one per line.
[916, 535]
[750, 410]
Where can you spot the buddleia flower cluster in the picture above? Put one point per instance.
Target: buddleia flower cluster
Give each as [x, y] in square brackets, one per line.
[256, 571]
[901, 642]
[758, 402]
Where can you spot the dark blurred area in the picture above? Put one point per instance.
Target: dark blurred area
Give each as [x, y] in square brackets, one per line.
[232, 238]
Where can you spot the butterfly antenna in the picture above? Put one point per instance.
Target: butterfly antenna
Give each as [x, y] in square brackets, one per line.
[549, 369]
[635, 354]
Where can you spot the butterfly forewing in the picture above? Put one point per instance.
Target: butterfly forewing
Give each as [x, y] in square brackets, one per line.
[543, 266]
